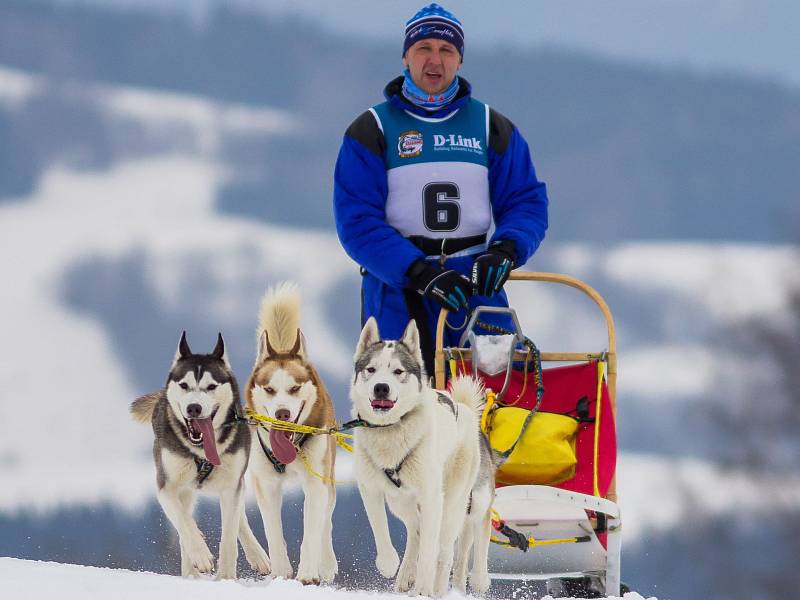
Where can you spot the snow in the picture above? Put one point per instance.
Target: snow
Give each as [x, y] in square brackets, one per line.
[699, 370]
[159, 110]
[201, 113]
[17, 86]
[492, 352]
[653, 489]
[733, 281]
[207, 118]
[32, 580]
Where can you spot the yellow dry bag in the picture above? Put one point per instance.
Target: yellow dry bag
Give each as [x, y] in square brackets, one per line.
[544, 455]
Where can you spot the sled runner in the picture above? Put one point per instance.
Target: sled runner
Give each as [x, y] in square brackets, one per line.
[555, 515]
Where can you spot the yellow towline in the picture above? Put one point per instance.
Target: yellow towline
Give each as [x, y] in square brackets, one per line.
[273, 423]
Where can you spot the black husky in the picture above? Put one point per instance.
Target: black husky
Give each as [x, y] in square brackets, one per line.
[201, 443]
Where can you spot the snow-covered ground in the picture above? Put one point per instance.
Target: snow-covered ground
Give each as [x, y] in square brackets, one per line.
[31, 580]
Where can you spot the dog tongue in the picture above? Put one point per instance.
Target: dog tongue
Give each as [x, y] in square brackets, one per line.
[282, 447]
[209, 443]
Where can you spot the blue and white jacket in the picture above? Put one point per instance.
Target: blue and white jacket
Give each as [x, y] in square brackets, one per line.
[403, 171]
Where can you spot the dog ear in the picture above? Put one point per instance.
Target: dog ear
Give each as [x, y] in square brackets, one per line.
[299, 348]
[183, 349]
[219, 350]
[303, 352]
[265, 349]
[262, 347]
[369, 335]
[410, 340]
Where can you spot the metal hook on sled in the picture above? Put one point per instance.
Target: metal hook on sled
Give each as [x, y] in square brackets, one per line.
[469, 335]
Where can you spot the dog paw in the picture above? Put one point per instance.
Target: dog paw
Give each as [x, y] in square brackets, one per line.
[441, 588]
[329, 569]
[423, 591]
[307, 577]
[259, 561]
[309, 571]
[226, 571]
[387, 563]
[460, 582]
[282, 568]
[480, 583]
[402, 586]
[405, 579]
[424, 585]
[200, 558]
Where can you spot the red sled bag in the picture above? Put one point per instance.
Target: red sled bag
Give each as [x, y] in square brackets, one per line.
[575, 417]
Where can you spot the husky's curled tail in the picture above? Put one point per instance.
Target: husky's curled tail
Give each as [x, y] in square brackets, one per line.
[469, 391]
[279, 317]
[142, 408]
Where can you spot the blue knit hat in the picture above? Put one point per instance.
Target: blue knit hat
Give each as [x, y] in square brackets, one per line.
[433, 21]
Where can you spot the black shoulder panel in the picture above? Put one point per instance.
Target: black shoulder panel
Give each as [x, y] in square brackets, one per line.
[365, 131]
[500, 129]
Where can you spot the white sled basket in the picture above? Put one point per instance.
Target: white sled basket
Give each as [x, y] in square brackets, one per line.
[545, 513]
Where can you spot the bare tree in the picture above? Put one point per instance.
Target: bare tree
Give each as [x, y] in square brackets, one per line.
[758, 417]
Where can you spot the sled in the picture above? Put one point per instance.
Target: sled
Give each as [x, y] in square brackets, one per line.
[567, 531]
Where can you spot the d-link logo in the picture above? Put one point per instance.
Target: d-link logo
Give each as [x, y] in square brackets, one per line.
[456, 142]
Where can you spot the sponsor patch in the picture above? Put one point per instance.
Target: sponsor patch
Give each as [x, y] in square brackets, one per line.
[457, 142]
[409, 144]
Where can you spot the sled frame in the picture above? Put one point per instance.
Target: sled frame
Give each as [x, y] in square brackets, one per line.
[607, 570]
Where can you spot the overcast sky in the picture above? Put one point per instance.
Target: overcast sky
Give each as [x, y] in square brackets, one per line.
[760, 37]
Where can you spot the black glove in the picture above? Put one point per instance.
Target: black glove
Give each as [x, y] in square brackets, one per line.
[490, 270]
[449, 288]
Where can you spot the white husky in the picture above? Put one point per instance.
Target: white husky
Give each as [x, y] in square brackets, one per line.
[420, 453]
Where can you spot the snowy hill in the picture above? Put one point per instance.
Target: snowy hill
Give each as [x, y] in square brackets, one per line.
[104, 267]
[160, 212]
[29, 580]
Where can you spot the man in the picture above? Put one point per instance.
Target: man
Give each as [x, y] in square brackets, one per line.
[418, 181]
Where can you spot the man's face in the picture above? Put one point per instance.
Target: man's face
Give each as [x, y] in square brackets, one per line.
[433, 64]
